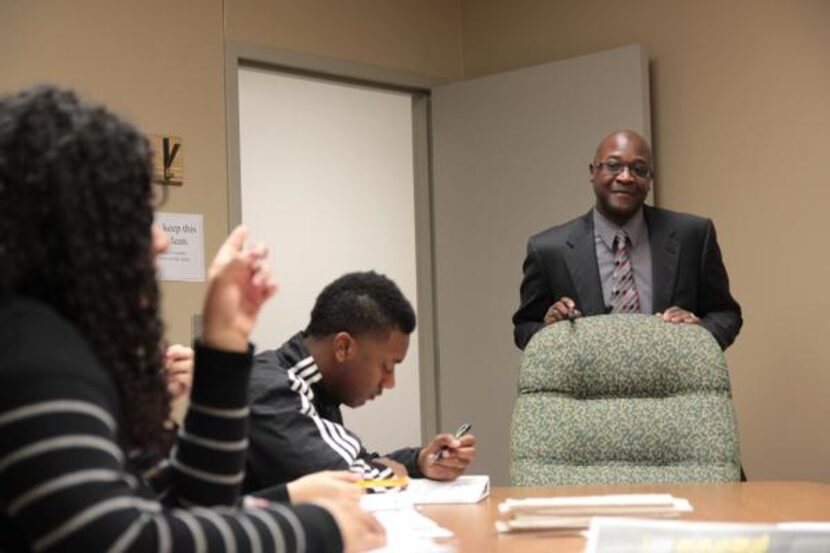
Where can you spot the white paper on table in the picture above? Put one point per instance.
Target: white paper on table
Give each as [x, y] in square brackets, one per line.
[407, 530]
[389, 501]
[805, 526]
[612, 535]
[466, 489]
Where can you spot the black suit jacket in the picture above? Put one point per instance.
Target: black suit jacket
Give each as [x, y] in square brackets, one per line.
[687, 271]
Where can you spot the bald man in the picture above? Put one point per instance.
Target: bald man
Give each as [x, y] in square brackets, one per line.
[626, 257]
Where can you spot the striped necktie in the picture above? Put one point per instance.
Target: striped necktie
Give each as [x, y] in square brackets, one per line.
[624, 296]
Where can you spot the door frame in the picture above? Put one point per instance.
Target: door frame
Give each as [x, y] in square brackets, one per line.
[239, 55]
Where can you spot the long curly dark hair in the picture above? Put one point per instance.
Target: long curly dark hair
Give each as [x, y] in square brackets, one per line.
[75, 233]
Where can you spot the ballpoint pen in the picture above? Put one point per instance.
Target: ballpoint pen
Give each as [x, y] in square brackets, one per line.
[462, 429]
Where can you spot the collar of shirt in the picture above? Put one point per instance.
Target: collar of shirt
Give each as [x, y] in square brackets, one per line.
[607, 230]
[298, 360]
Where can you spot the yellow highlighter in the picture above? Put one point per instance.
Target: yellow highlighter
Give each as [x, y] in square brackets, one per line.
[391, 482]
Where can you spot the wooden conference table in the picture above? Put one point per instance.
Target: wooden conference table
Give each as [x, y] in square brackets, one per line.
[474, 529]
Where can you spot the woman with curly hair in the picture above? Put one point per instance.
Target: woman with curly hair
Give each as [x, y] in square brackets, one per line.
[82, 390]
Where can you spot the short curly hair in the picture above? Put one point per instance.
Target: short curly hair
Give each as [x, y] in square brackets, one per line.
[75, 233]
[361, 303]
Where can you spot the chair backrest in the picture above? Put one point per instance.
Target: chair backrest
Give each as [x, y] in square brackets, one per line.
[623, 399]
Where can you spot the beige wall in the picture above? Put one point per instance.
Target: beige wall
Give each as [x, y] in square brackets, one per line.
[161, 64]
[417, 36]
[740, 118]
[157, 63]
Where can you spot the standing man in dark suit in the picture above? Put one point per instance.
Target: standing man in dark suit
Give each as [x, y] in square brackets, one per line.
[625, 257]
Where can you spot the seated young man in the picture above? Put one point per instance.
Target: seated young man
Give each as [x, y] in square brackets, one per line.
[359, 331]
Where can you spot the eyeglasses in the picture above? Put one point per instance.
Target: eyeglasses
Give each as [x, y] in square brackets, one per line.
[614, 167]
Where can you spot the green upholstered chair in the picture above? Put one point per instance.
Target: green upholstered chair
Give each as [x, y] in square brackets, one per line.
[623, 399]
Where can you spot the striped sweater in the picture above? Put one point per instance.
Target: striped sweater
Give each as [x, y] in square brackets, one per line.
[297, 427]
[66, 485]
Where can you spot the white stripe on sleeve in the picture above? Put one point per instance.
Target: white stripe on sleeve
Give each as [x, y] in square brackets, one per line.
[60, 483]
[165, 540]
[229, 479]
[90, 514]
[70, 441]
[346, 437]
[240, 413]
[196, 530]
[129, 535]
[58, 406]
[294, 522]
[337, 447]
[239, 445]
[273, 528]
[221, 525]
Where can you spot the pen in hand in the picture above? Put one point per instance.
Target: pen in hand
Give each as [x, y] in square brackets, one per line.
[463, 429]
[573, 312]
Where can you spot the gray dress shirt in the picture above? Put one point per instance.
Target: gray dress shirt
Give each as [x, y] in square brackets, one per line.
[640, 255]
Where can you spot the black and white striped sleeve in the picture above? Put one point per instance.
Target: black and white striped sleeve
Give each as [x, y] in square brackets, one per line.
[64, 487]
[208, 460]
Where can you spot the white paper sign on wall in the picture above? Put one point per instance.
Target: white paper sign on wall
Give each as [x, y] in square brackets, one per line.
[185, 258]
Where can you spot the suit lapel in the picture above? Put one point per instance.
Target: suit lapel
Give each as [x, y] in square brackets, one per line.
[665, 254]
[581, 259]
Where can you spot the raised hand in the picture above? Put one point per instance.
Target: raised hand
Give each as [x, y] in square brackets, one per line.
[239, 283]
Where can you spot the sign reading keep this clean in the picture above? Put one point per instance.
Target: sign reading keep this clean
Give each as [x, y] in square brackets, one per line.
[184, 260]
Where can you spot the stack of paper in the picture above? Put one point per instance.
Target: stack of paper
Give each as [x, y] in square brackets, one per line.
[573, 514]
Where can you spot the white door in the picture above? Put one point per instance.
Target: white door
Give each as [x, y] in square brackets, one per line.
[510, 158]
[327, 182]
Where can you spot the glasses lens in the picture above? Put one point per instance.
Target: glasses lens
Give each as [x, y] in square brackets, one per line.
[613, 167]
[640, 170]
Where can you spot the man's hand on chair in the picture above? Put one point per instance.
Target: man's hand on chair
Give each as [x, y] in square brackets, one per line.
[676, 314]
[562, 310]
